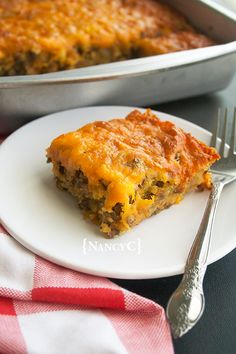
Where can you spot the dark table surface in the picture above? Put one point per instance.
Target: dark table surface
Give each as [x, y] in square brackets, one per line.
[215, 333]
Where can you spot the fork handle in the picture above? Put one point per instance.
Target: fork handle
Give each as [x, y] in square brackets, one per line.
[186, 304]
[196, 264]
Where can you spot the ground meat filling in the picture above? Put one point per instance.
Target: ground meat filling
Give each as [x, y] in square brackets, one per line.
[109, 221]
[93, 208]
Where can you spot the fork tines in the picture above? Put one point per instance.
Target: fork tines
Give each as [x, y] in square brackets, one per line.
[218, 139]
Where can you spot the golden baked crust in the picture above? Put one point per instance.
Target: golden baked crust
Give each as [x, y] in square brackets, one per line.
[50, 35]
[124, 170]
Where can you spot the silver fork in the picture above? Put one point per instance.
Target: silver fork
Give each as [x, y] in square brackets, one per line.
[186, 304]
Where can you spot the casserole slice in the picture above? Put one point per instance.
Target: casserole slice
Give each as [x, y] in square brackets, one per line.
[124, 170]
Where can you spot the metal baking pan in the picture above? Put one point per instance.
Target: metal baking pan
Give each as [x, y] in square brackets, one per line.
[138, 82]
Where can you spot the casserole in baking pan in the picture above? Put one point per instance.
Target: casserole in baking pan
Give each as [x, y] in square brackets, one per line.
[44, 36]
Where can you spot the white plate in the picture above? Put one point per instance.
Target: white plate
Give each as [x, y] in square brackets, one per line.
[48, 222]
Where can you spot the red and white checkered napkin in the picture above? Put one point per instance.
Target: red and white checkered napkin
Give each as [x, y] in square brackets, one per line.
[45, 308]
